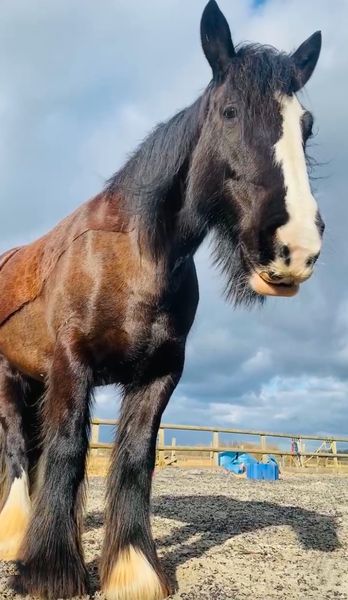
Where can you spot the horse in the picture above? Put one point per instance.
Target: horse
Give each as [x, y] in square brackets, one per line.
[110, 294]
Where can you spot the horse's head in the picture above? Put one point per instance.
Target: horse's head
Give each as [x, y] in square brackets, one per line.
[249, 166]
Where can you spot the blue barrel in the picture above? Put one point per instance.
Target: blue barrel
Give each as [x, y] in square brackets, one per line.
[271, 471]
[262, 471]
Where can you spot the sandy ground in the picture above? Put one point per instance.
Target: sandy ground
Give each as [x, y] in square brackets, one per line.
[225, 538]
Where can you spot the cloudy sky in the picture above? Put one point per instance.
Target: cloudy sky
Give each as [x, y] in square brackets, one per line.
[81, 84]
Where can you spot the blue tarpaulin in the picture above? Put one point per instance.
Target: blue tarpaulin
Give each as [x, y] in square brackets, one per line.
[243, 462]
[236, 462]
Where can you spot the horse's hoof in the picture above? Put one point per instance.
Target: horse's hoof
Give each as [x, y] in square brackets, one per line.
[133, 578]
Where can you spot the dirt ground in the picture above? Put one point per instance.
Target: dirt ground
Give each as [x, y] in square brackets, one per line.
[226, 538]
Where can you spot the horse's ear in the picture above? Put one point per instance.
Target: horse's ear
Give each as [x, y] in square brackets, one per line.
[305, 58]
[216, 39]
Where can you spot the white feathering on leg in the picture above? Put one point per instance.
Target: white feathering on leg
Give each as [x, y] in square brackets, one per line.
[133, 578]
[14, 518]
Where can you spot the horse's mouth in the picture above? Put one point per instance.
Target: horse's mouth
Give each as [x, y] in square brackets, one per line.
[261, 284]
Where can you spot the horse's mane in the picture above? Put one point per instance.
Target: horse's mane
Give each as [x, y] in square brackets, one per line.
[259, 72]
[147, 179]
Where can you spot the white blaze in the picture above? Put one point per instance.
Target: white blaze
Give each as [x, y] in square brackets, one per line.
[300, 233]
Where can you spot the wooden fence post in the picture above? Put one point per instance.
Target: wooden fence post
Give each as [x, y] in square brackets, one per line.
[161, 443]
[211, 454]
[334, 451]
[216, 445]
[263, 444]
[302, 450]
[95, 436]
[173, 453]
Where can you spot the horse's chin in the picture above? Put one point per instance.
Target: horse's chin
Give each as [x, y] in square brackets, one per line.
[264, 288]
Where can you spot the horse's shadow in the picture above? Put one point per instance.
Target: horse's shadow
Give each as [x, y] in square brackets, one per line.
[217, 519]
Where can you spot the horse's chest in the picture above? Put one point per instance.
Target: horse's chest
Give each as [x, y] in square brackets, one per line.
[134, 345]
[142, 322]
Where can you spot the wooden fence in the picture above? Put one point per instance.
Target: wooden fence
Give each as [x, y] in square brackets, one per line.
[167, 453]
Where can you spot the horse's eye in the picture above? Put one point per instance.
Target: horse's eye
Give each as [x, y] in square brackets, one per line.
[230, 112]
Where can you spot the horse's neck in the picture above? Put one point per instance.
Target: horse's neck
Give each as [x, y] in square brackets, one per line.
[153, 183]
[186, 238]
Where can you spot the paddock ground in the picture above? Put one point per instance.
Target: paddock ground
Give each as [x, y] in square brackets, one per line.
[226, 538]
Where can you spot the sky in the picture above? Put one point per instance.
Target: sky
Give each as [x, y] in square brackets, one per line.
[79, 89]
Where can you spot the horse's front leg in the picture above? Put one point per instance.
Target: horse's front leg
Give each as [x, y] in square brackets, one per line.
[130, 569]
[51, 564]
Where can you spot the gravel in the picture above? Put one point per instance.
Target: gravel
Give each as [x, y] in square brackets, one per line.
[226, 538]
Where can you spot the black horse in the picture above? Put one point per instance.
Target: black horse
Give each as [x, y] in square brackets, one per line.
[110, 294]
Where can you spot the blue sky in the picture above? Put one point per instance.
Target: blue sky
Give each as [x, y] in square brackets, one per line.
[79, 89]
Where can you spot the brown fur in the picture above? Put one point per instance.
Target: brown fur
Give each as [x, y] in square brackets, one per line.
[86, 255]
[24, 271]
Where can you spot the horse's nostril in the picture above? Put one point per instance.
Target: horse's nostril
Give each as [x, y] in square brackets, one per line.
[284, 251]
[320, 224]
[284, 254]
[312, 260]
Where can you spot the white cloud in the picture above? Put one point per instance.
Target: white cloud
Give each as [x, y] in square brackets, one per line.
[258, 362]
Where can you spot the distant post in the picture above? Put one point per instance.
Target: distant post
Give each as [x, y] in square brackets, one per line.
[216, 445]
[161, 444]
[173, 453]
[334, 451]
[95, 436]
[263, 444]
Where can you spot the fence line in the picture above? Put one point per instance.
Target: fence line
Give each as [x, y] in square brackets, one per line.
[215, 448]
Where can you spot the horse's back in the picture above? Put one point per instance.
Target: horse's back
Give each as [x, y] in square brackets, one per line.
[25, 270]
[7, 255]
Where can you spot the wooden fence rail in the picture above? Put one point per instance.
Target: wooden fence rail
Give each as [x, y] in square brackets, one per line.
[301, 456]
